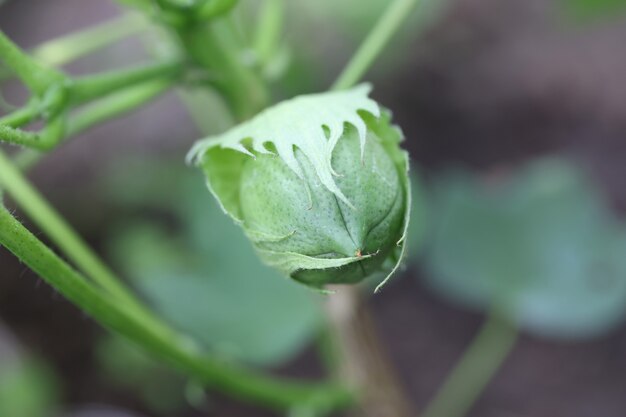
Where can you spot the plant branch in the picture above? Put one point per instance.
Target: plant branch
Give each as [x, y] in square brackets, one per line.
[95, 86]
[385, 28]
[43, 141]
[178, 351]
[20, 117]
[98, 112]
[65, 49]
[70, 47]
[34, 75]
[242, 89]
[117, 104]
[61, 233]
[269, 28]
[479, 364]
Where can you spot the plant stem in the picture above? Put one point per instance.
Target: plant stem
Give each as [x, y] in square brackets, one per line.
[474, 371]
[95, 86]
[117, 104]
[12, 181]
[65, 49]
[19, 137]
[20, 117]
[100, 111]
[43, 141]
[236, 381]
[269, 28]
[35, 76]
[214, 8]
[356, 355]
[70, 47]
[244, 92]
[388, 24]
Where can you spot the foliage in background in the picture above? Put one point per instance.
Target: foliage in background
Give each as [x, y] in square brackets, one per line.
[28, 386]
[541, 244]
[595, 9]
[160, 389]
[200, 272]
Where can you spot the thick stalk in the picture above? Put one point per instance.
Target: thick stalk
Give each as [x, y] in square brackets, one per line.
[477, 367]
[244, 92]
[117, 316]
[360, 359]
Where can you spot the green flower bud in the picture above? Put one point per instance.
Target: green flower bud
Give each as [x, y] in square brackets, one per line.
[319, 184]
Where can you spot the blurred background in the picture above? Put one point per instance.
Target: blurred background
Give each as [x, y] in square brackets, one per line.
[514, 113]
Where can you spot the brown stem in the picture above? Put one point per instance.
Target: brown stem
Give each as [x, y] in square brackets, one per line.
[361, 360]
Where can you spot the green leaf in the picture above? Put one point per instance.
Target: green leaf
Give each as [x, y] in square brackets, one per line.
[312, 123]
[28, 387]
[127, 366]
[205, 278]
[542, 244]
[592, 9]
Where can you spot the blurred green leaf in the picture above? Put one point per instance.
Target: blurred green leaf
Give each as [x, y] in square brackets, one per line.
[157, 385]
[584, 9]
[204, 276]
[28, 388]
[543, 244]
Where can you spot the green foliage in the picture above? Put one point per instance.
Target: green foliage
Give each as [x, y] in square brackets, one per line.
[542, 246]
[593, 9]
[275, 176]
[207, 280]
[126, 366]
[28, 388]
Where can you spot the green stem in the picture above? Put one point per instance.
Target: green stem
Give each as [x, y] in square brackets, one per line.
[477, 367]
[244, 92]
[34, 75]
[214, 8]
[18, 137]
[20, 117]
[43, 141]
[70, 47]
[100, 111]
[117, 104]
[385, 28]
[95, 86]
[269, 28]
[229, 378]
[50, 222]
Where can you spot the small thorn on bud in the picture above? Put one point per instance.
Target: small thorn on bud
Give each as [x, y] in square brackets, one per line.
[358, 253]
